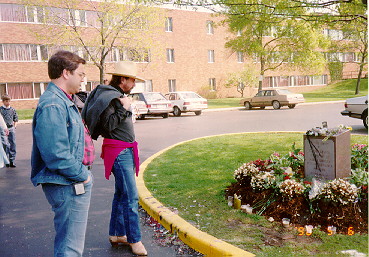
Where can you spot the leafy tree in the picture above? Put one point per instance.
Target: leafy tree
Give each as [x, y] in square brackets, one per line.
[355, 36]
[111, 28]
[273, 40]
[243, 79]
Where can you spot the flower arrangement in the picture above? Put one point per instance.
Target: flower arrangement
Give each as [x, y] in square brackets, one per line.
[282, 173]
[328, 132]
[359, 156]
[291, 188]
[288, 164]
[246, 170]
[339, 191]
[263, 180]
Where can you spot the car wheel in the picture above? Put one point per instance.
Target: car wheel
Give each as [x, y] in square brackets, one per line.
[198, 113]
[365, 119]
[165, 115]
[247, 105]
[262, 107]
[291, 106]
[176, 111]
[141, 117]
[276, 105]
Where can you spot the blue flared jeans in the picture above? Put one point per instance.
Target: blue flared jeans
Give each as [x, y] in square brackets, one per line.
[70, 220]
[124, 218]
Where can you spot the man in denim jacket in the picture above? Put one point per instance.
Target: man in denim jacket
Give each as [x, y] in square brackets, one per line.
[58, 152]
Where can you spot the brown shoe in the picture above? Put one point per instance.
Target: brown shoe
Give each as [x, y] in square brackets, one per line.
[138, 249]
[116, 240]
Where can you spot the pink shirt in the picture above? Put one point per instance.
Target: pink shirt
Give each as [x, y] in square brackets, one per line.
[111, 148]
[89, 152]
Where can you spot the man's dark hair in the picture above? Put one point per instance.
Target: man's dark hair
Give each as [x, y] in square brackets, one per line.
[63, 60]
[115, 80]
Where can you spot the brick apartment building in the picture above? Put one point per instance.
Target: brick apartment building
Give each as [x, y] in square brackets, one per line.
[193, 56]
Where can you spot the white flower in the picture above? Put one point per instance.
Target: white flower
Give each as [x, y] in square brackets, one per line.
[246, 170]
[262, 180]
[291, 188]
[339, 190]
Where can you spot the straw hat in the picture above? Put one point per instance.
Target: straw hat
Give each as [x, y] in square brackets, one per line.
[126, 69]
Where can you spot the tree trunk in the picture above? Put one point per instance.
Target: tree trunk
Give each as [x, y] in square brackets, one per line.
[261, 78]
[357, 90]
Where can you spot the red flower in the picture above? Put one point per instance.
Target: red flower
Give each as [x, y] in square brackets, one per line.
[286, 177]
[308, 182]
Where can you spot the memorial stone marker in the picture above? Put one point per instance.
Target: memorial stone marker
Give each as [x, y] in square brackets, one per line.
[328, 159]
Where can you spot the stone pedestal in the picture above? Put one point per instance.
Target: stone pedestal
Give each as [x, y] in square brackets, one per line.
[327, 160]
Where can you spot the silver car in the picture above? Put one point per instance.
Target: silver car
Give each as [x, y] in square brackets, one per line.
[357, 107]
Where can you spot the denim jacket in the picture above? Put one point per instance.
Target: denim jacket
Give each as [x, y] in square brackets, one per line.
[58, 140]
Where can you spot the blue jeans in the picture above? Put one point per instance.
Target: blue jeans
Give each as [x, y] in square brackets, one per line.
[70, 220]
[124, 218]
[9, 144]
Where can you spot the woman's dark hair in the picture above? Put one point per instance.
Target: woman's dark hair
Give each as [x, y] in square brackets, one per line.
[63, 60]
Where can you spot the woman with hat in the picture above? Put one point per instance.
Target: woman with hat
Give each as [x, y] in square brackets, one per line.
[107, 113]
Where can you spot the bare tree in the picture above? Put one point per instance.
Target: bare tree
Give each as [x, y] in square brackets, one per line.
[102, 29]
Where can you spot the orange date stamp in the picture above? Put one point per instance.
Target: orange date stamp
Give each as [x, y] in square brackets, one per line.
[331, 230]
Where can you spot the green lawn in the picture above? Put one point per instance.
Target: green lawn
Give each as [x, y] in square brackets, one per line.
[333, 92]
[337, 91]
[192, 177]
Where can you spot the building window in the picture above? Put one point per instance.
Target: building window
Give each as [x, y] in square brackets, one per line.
[211, 56]
[171, 85]
[170, 55]
[148, 85]
[333, 34]
[240, 56]
[3, 89]
[20, 90]
[169, 24]
[13, 12]
[210, 27]
[212, 84]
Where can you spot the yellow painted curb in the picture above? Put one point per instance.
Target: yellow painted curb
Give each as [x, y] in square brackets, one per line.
[193, 237]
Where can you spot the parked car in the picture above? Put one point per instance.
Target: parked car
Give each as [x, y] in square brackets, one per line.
[274, 97]
[357, 107]
[156, 104]
[139, 108]
[186, 101]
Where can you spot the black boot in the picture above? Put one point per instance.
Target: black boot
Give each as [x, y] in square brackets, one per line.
[12, 164]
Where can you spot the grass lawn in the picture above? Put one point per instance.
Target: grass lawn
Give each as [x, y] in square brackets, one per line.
[337, 91]
[333, 92]
[192, 177]
[25, 114]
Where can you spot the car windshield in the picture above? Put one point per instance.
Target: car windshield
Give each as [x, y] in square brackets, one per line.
[284, 92]
[154, 97]
[189, 95]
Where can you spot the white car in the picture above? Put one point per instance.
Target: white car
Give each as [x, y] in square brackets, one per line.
[186, 101]
[357, 107]
[156, 104]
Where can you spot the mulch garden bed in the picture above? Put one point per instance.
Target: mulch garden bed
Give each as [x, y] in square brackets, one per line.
[350, 218]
